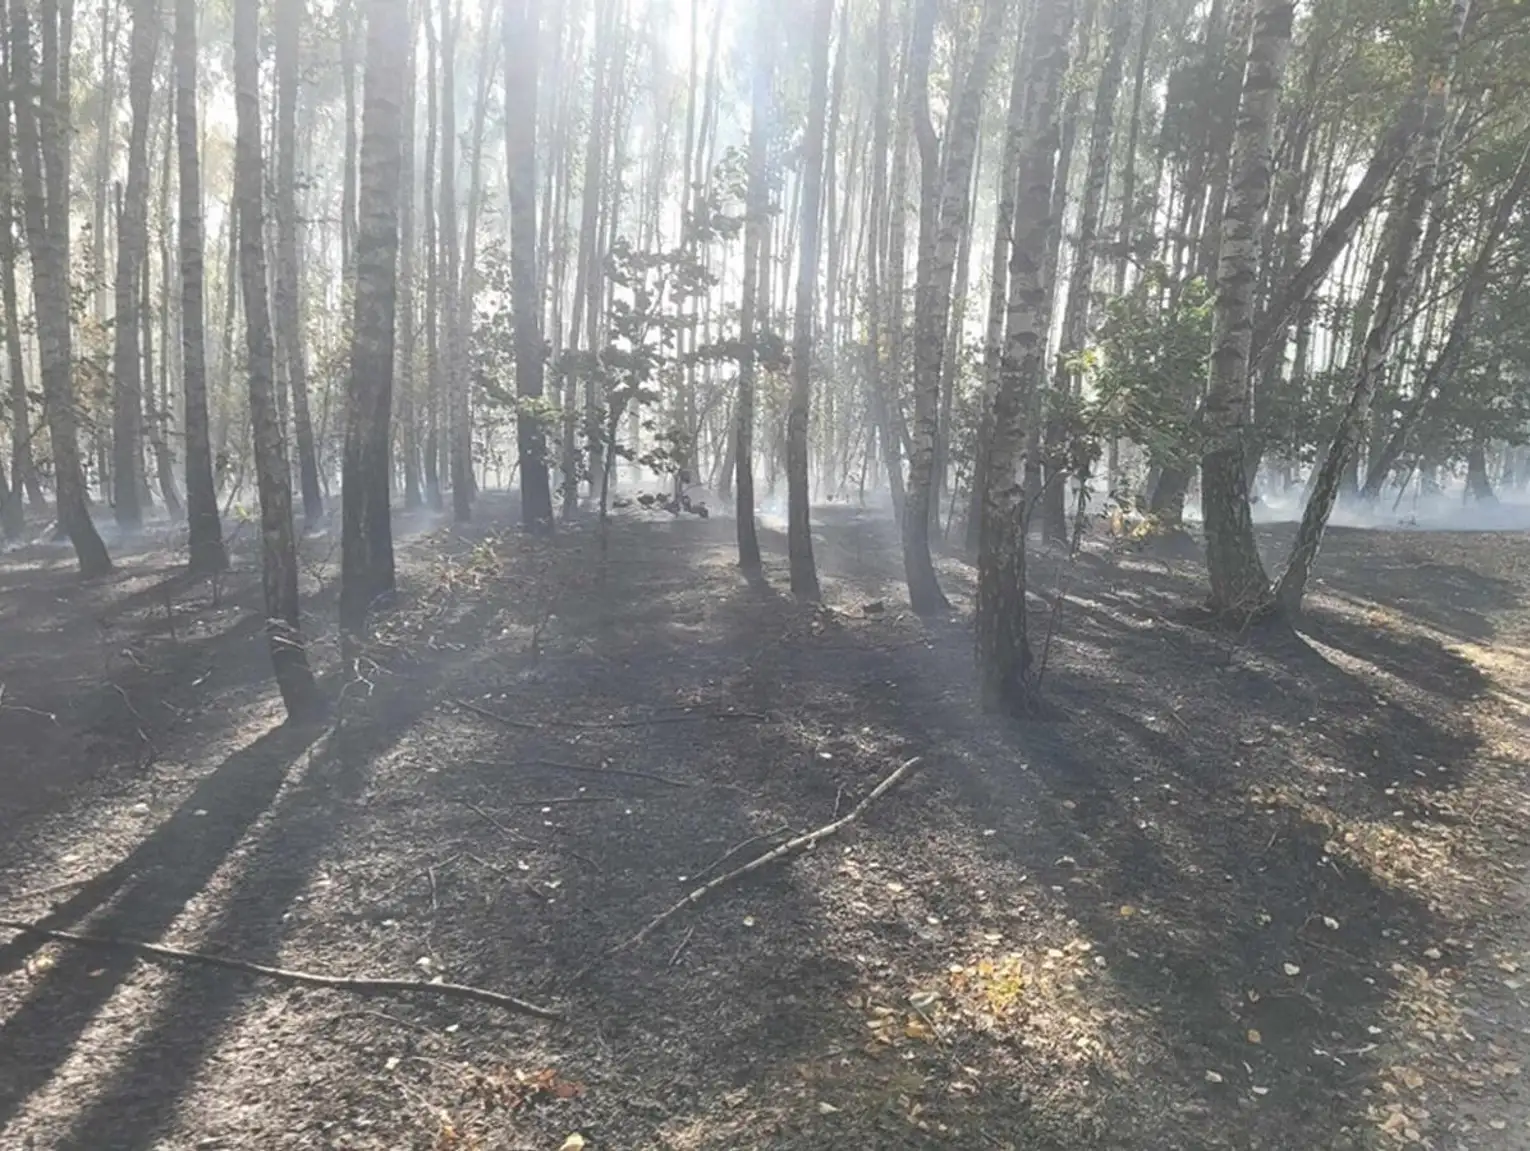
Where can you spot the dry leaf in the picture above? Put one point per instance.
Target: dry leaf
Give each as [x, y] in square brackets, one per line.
[1213, 1077]
[1291, 969]
[1254, 1036]
[574, 1142]
[827, 1109]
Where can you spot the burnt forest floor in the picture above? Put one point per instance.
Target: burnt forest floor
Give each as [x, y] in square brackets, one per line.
[1252, 892]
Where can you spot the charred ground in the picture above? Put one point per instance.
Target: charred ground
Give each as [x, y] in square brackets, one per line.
[1259, 891]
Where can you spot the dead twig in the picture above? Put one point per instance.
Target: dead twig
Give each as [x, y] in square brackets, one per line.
[516, 835]
[356, 986]
[510, 831]
[558, 800]
[496, 717]
[675, 957]
[669, 780]
[597, 725]
[738, 847]
[791, 847]
[51, 889]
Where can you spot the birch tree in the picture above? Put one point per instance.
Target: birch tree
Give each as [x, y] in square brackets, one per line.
[1239, 585]
[279, 570]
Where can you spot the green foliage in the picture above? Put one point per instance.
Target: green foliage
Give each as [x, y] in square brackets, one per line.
[1150, 363]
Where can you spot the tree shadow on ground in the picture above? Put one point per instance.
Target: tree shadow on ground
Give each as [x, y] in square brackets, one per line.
[1394, 570]
[226, 824]
[1204, 814]
[140, 897]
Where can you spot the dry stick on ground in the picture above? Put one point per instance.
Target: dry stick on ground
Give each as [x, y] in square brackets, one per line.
[561, 766]
[598, 725]
[738, 847]
[516, 835]
[790, 847]
[309, 979]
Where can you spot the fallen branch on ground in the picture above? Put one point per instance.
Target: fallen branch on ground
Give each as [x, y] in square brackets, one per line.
[495, 716]
[285, 975]
[561, 766]
[790, 847]
[597, 725]
[738, 847]
[516, 835]
[51, 889]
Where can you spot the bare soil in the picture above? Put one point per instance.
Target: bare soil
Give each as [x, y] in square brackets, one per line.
[1259, 891]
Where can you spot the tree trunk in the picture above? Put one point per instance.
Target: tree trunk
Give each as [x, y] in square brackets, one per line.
[1067, 385]
[290, 19]
[459, 431]
[1045, 451]
[897, 243]
[522, 21]
[348, 26]
[879, 367]
[1398, 284]
[42, 126]
[132, 247]
[756, 211]
[1442, 369]
[799, 532]
[432, 454]
[1340, 232]
[943, 214]
[404, 354]
[23, 472]
[1005, 662]
[157, 414]
[279, 569]
[993, 339]
[205, 529]
[366, 549]
[1239, 585]
[1127, 238]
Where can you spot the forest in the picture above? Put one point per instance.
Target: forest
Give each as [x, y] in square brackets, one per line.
[764, 573]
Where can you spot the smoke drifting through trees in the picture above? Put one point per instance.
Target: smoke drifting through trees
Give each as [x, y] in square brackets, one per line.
[559, 246]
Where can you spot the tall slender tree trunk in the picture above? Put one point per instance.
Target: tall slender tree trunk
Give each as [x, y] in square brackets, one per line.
[23, 472]
[404, 355]
[433, 478]
[290, 19]
[1398, 285]
[459, 431]
[1443, 368]
[587, 277]
[349, 23]
[132, 247]
[1005, 662]
[289, 655]
[522, 25]
[467, 290]
[42, 128]
[1239, 585]
[897, 245]
[366, 548]
[1067, 384]
[876, 329]
[993, 337]
[207, 554]
[799, 532]
[757, 209]
[924, 591]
